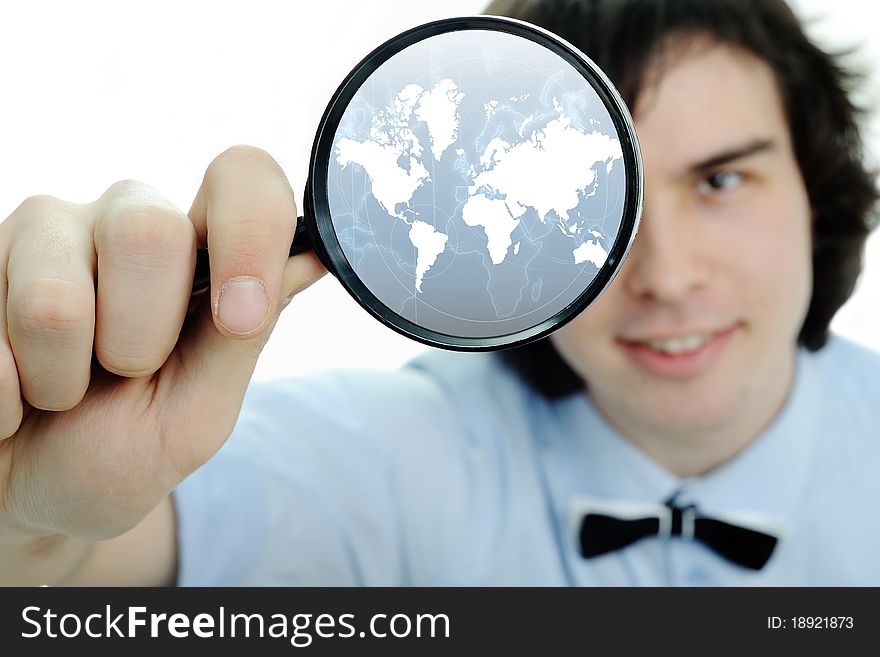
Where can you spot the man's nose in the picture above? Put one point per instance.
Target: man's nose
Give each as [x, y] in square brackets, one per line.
[666, 263]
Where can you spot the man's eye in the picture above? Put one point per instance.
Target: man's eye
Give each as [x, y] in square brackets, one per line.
[722, 181]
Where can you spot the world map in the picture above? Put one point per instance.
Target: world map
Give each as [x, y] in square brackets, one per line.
[504, 184]
[444, 188]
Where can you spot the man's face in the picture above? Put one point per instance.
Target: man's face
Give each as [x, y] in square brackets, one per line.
[698, 330]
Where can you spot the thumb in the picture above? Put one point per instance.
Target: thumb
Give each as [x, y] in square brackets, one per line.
[211, 373]
[245, 212]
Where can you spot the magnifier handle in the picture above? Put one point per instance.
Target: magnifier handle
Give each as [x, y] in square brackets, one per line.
[202, 276]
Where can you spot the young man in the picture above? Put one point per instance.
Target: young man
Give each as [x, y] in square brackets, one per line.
[695, 425]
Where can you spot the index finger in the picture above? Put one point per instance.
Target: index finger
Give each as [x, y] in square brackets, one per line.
[246, 213]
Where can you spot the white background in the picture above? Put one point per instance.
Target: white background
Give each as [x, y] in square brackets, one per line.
[94, 92]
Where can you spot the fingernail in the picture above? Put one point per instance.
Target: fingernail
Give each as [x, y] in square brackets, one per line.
[242, 305]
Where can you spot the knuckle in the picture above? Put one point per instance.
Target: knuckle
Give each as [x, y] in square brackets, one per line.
[55, 402]
[48, 389]
[128, 188]
[38, 205]
[138, 231]
[40, 209]
[53, 307]
[253, 242]
[248, 256]
[126, 363]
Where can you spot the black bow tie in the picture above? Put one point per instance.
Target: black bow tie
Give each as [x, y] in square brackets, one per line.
[601, 532]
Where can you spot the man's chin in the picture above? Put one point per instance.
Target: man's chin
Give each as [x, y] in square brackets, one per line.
[687, 413]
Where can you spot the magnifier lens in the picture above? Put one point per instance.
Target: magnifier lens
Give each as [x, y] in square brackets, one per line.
[482, 183]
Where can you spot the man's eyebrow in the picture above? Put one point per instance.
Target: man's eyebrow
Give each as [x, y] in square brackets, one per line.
[757, 146]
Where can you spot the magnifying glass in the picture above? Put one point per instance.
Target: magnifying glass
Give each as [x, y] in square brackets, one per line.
[475, 183]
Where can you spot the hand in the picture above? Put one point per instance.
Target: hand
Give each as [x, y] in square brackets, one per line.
[111, 392]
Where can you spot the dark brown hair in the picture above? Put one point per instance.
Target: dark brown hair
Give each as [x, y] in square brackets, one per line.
[625, 36]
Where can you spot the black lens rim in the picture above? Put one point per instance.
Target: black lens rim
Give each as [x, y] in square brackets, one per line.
[319, 221]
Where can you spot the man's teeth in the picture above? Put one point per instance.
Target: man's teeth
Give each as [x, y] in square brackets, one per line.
[682, 345]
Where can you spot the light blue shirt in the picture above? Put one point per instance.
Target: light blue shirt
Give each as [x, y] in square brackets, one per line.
[453, 472]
